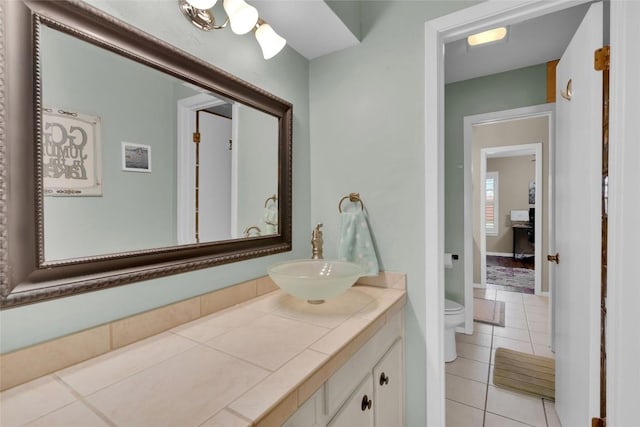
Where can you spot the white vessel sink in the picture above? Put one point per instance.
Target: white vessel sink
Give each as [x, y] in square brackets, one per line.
[315, 280]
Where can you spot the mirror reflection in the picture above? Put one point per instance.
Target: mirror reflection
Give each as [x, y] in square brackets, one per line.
[121, 169]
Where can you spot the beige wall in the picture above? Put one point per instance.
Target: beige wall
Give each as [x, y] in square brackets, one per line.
[513, 132]
[514, 175]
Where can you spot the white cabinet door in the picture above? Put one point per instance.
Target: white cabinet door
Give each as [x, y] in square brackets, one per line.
[358, 410]
[388, 383]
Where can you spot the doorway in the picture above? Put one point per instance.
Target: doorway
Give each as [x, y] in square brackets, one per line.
[210, 213]
[438, 32]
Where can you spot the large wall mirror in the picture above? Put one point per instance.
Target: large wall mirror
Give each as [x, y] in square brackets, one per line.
[129, 159]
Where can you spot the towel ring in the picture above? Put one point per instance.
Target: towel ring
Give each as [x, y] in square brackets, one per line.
[274, 198]
[353, 197]
[247, 231]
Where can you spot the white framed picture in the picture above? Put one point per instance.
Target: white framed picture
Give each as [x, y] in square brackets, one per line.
[136, 157]
[71, 153]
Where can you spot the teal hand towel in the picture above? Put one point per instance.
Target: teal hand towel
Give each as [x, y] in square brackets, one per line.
[270, 220]
[355, 243]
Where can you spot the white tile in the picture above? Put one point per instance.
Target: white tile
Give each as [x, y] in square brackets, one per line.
[552, 416]
[185, 390]
[537, 317]
[470, 369]
[75, 415]
[517, 406]
[269, 342]
[463, 390]
[522, 346]
[208, 327]
[493, 420]
[94, 374]
[477, 338]
[543, 350]
[482, 328]
[537, 300]
[512, 333]
[512, 297]
[540, 338]
[539, 326]
[473, 352]
[27, 402]
[459, 415]
[265, 395]
[225, 418]
[517, 322]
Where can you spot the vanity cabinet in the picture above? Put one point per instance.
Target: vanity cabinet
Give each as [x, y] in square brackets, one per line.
[358, 409]
[367, 391]
[377, 402]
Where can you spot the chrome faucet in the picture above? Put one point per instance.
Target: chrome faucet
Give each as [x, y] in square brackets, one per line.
[316, 243]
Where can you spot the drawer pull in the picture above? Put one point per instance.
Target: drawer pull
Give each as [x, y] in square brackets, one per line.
[384, 379]
[366, 403]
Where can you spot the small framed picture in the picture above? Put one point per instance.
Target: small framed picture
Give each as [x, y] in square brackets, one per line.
[136, 157]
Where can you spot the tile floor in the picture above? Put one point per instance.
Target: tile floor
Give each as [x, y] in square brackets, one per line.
[472, 399]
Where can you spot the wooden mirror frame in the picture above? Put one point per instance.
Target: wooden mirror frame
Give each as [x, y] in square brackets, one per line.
[25, 277]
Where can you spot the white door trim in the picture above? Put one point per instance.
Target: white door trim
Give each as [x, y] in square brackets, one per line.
[438, 32]
[623, 295]
[185, 159]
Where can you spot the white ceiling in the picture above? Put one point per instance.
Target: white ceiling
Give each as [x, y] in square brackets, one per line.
[313, 29]
[528, 43]
[310, 26]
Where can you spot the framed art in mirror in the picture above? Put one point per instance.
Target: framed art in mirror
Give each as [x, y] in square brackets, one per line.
[76, 128]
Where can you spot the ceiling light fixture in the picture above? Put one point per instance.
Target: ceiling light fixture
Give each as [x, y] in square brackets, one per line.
[242, 18]
[488, 36]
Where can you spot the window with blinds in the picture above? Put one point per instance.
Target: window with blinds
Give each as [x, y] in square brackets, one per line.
[491, 211]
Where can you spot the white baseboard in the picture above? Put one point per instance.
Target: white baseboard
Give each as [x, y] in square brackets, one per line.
[460, 329]
[479, 286]
[544, 294]
[504, 254]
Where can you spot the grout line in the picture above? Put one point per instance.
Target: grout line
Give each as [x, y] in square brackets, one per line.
[82, 399]
[544, 409]
[486, 392]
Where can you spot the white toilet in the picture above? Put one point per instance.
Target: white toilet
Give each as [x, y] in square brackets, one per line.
[453, 316]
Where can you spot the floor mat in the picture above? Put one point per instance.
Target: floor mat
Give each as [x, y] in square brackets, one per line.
[488, 311]
[525, 373]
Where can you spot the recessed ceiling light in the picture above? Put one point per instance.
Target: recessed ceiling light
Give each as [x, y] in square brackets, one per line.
[489, 36]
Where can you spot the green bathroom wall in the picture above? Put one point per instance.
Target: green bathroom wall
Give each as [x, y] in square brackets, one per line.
[367, 132]
[137, 208]
[287, 76]
[504, 91]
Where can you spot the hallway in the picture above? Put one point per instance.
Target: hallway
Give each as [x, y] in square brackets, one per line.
[472, 399]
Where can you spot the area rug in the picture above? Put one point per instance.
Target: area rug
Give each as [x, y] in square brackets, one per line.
[506, 276]
[525, 373]
[488, 311]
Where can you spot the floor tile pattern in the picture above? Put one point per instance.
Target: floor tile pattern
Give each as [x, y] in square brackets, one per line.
[472, 398]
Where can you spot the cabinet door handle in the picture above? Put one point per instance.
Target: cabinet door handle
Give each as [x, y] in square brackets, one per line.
[366, 403]
[384, 379]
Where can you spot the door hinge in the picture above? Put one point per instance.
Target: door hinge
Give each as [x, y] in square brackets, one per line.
[196, 137]
[601, 58]
[598, 422]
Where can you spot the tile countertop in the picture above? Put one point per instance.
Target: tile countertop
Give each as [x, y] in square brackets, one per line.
[251, 364]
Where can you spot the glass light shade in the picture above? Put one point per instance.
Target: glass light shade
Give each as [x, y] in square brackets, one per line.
[242, 17]
[487, 36]
[270, 42]
[202, 4]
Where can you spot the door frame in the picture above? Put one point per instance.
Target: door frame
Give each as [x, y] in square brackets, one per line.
[533, 111]
[439, 31]
[185, 159]
[513, 151]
